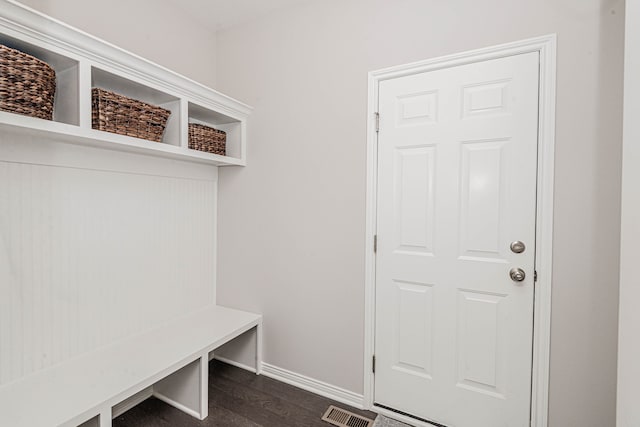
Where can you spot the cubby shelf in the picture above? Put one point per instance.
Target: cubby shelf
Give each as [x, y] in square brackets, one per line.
[82, 61]
[62, 132]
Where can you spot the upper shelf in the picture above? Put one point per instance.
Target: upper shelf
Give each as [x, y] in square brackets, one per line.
[82, 61]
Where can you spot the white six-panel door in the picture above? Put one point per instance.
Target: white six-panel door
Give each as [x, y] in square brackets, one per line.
[456, 186]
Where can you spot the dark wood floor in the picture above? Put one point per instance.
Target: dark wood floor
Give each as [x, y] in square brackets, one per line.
[240, 398]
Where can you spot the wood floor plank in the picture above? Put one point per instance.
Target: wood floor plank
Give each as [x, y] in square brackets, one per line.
[305, 399]
[238, 398]
[155, 413]
[259, 406]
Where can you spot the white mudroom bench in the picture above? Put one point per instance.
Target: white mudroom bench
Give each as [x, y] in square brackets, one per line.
[169, 360]
[172, 360]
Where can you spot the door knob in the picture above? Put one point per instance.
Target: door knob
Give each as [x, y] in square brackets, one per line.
[517, 274]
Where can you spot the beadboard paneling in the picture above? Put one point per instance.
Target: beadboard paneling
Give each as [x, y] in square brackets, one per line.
[90, 256]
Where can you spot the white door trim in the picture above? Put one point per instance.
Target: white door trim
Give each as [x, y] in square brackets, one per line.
[546, 46]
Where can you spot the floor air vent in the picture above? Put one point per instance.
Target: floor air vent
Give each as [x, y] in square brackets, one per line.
[341, 418]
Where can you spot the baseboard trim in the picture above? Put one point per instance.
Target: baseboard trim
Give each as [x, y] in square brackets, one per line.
[130, 402]
[314, 386]
[177, 405]
[234, 363]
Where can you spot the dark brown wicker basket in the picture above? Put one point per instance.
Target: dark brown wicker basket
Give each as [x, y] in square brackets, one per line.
[27, 85]
[119, 114]
[205, 138]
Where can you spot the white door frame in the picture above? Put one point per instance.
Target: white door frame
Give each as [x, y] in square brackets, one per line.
[546, 46]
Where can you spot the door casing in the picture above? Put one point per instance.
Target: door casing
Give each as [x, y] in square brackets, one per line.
[546, 46]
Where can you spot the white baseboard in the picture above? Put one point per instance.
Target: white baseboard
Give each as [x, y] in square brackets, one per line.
[132, 401]
[314, 386]
[234, 363]
[177, 405]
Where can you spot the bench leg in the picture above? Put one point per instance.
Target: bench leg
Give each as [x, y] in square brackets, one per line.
[204, 386]
[187, 389]
[105, 417]
[259, 348]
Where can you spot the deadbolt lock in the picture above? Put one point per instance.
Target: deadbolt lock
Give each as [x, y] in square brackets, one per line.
[517, 247]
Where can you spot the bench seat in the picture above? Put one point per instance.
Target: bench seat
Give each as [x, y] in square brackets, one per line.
[174, 355]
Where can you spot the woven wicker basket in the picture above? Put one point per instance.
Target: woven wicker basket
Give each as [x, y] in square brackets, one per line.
[205, 138]
[27, 85]
[119, 114]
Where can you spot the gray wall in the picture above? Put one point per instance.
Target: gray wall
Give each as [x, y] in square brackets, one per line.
[156, 30]
[292, 224]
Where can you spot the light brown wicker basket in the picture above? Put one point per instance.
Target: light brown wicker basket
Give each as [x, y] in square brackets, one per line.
[119, 114]
[205, 138]
[27, 84]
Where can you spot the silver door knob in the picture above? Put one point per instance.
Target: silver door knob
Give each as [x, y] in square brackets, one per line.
[517, 274]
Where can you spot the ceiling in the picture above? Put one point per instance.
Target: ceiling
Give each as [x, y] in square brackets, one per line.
[220, 14]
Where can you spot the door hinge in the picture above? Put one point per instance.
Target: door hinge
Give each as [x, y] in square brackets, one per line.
[375, 243]
[535, 275]
[377, 122]
[373, 363]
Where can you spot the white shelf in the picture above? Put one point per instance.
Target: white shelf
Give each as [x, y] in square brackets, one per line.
[66, 133]
[82, 61]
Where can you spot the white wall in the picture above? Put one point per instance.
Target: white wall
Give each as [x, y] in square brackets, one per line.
[156, 30]
[292, 224]
[629, 344]
[95, 246]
